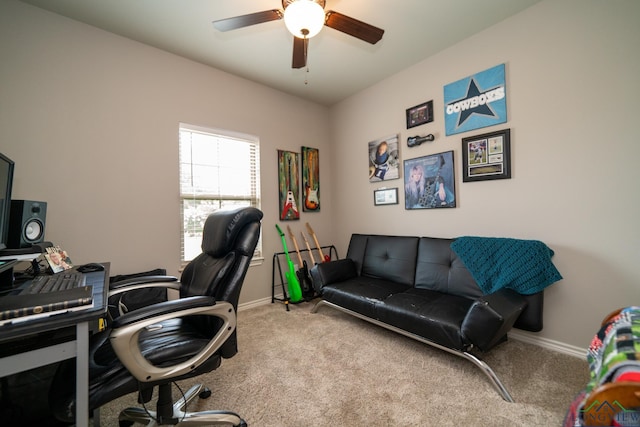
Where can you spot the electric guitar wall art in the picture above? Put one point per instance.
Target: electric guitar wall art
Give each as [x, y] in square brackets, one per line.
[310, 179]
[288, 184]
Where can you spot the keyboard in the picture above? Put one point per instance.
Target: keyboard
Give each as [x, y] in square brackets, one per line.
[57, 282]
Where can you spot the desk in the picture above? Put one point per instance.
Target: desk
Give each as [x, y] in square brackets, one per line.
[83, 321]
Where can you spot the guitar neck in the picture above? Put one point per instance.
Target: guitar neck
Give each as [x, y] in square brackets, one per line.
[319, 249]
[306, 242]
[315, 239]
[295, 245]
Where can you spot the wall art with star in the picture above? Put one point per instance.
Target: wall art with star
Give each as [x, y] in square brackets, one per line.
[476, 101]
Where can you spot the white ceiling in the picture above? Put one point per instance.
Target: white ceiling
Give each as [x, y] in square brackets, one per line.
[338, 65]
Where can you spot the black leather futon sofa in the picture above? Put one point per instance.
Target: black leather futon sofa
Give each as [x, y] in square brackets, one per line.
[419, 287]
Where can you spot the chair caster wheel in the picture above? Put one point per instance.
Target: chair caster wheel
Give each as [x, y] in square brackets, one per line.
[205, 394]
[243, 423]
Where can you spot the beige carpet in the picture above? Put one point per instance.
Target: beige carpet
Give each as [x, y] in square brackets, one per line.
[330, 369]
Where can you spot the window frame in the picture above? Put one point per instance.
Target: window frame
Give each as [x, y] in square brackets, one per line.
[254, 198]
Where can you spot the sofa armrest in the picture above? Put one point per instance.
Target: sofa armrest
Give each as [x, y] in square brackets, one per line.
[531, 317]
[491, 317]
[332, 272]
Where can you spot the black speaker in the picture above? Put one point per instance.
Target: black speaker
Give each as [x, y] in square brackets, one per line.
[26, 223]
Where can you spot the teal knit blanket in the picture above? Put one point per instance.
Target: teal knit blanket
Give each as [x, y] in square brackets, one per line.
[495, 263]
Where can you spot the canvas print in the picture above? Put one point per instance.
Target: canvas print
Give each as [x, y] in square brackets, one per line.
[288, 185]
[310, 179]
[429, 182]
[384, 159]
[476, 102]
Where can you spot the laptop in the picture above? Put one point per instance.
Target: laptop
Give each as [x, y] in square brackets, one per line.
[17, 305]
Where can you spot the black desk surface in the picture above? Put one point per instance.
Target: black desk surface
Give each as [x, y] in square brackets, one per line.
[100, 282]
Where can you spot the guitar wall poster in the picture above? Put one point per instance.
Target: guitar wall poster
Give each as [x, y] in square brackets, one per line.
[384, 159]
[476, 102]
[429, 182]
[288, 185]
[310, 179]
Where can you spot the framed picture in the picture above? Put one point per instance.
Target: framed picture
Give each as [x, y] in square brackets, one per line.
[288, 185]
[429, 182]
[487, 156]
[384, 159]
[420, 114]
[385, 196]
[475, 102]
[310, 179]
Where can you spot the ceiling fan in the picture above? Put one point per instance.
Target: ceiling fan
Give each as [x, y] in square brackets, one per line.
[304, 19]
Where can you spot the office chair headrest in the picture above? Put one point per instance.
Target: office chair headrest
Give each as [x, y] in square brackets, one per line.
[222, 227]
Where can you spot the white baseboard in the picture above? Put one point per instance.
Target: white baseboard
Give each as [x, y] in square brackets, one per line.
[256, 303]
[558, 346]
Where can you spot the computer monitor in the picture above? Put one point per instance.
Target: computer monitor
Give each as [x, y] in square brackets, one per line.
[6, 184]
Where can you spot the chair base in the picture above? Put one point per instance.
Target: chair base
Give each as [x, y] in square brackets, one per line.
[179, 417]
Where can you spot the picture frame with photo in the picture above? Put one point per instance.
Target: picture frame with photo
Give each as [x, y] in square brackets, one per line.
[420, 114]
[57, 259]
[385, 196]
[487, 157]
[384, 158]
[429, 182]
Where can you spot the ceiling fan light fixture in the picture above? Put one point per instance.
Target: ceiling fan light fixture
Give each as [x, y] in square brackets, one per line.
[304, 18]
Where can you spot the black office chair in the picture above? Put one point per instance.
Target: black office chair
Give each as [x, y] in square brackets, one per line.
[171, 340]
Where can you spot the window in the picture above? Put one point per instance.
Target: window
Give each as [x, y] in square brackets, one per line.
[218, 170]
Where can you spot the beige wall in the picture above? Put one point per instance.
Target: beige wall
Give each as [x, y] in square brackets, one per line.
[573, 86]
[91, 121]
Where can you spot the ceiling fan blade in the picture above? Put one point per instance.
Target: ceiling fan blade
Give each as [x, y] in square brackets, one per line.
[353, 27]
[236, 22]
[299, 52]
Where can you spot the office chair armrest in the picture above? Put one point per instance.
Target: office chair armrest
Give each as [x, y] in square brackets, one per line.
[127, 285]
[127, 328]
[142, 279]
[174, 308]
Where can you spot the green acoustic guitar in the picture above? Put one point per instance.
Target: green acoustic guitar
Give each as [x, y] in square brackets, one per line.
[295, 293]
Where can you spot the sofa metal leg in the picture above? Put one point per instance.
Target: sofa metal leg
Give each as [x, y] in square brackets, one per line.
[317, 305]
[489, 373]
[495, 381]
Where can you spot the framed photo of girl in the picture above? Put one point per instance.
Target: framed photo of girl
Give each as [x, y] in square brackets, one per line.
[487, 156]
[429, 182]
[384, 159]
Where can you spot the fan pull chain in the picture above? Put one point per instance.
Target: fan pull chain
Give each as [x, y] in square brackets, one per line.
[306, 60]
